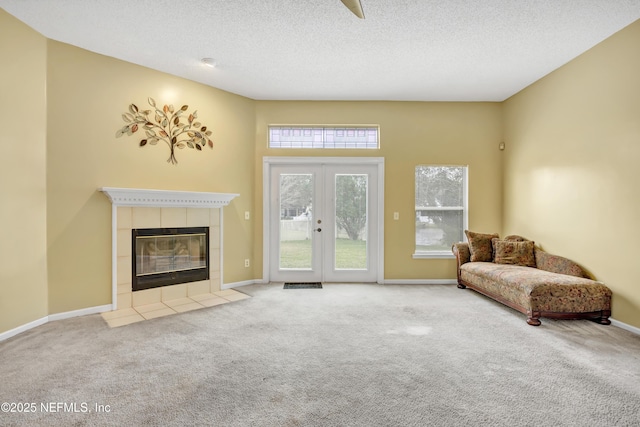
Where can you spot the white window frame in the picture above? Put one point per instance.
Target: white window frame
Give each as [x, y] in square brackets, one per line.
[465, 214]
[324, 137]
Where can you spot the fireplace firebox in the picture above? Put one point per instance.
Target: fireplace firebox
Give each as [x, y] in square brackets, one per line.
[169, 256]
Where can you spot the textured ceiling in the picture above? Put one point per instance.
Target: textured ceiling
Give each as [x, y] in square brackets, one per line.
[423, 50]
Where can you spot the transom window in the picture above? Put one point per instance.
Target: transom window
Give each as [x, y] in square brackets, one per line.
[441, 209]
[345, 137]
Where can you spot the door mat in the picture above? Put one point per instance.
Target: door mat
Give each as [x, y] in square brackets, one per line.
[304, 285]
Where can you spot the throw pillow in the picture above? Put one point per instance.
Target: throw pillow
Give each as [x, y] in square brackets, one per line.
[515, 253]
[516, 238]
[480, 246]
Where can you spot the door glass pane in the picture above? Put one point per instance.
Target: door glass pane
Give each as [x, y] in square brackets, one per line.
[296, 228]
[351, 221]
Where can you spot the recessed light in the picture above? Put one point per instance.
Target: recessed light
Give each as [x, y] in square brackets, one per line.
[209, 62]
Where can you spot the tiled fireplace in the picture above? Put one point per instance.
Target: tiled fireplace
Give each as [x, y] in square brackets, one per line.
[137, 209]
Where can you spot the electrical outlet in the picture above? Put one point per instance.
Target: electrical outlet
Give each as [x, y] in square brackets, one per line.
[246, 215]
[396, 215]
[247, 263]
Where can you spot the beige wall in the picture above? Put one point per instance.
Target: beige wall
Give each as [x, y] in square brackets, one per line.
[412, 133]
[23, 273]
[87, 94]
[571, 166]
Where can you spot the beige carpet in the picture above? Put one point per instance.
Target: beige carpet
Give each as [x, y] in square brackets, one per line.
[345, 355]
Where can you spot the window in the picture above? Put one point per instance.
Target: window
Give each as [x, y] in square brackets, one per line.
[350, 137]
[441, 209]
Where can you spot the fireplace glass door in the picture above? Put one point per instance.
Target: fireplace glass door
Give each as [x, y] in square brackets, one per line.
[168, 256]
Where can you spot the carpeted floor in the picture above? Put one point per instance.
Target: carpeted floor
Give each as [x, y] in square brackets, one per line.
[345, 355]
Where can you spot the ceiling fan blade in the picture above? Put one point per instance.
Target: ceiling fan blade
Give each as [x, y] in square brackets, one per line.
[354, 6]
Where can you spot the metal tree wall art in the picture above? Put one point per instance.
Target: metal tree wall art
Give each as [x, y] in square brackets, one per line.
[168, 125]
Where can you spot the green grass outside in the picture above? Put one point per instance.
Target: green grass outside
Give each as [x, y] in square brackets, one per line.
[349, 254]
[295, 254]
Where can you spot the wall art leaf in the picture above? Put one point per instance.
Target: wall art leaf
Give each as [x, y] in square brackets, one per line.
[165, 125]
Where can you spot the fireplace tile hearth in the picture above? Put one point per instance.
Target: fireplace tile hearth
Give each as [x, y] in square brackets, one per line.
[178, 301]
[153, 314]
[143, 309]
[152, 310]
[122, 317]
[181, 307]
[211, 301]
[109, 315]
[231, 295]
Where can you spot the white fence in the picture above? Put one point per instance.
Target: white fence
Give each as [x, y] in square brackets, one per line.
[295, 230]
[302, 230]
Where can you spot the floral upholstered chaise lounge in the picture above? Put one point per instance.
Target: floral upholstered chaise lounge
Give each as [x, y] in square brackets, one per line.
[519, 274]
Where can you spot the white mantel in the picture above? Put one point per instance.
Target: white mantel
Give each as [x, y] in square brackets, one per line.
[166, 198]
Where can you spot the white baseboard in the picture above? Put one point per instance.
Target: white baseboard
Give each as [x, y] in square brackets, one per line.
[81, 312]
[53, 317]
[23, 328]
[385, 282]
[243, 283]
[625, 326]
[420, 282]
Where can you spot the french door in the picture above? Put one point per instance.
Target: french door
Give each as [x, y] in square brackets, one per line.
[323, 221]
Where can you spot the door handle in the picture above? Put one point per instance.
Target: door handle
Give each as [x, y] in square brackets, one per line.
[317, 229]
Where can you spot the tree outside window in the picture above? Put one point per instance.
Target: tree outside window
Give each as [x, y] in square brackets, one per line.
[440, 208]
